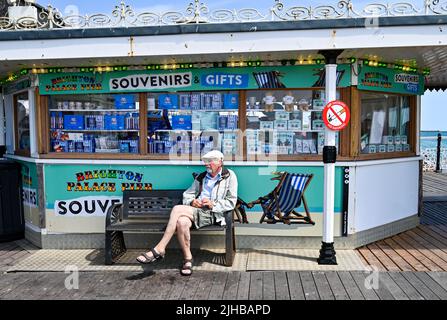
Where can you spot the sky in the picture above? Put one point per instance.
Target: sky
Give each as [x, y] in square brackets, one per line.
[434, 112]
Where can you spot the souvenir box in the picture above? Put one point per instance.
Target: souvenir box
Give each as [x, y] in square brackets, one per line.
[125, 101]
[74, 122]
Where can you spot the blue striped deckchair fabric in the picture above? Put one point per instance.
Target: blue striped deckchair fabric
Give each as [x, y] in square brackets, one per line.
[291, 192]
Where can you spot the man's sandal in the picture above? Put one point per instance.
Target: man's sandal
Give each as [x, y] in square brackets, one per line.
[186, 270]
[155, 257]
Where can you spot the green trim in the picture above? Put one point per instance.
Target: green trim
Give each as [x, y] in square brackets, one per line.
[212, 79]
[389, 80]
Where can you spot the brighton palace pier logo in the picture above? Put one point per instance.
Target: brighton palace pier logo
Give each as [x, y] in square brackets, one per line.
[93, 181]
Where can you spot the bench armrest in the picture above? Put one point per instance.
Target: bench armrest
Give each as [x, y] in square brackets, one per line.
[114, 214]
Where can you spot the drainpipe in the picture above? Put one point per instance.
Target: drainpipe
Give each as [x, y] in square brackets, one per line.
[327, 251]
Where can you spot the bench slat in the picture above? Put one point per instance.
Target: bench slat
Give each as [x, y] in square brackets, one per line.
[148, 227]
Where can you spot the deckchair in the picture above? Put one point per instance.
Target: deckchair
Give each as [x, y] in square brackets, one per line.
[280, 204]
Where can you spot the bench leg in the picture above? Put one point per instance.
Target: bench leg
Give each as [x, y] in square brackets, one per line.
[230, 246]
[114, 246]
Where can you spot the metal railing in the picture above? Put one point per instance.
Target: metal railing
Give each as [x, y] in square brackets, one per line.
[123, 15]
[435, 159]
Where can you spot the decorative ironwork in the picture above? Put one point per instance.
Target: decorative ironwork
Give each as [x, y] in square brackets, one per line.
[123, 15]
[429, 163]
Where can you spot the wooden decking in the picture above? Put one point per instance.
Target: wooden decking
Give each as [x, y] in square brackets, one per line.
[228, 286]
[421, 249]
[434, 184]
[11, 252]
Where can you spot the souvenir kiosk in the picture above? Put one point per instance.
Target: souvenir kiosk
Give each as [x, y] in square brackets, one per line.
[86, 128]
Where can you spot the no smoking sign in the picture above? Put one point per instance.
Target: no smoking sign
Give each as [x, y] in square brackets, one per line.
[336, 115]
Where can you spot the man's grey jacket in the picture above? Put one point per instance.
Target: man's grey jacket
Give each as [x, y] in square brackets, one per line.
[224, 194]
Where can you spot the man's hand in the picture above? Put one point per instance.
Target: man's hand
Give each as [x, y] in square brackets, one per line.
[196, 203]
[207, 203]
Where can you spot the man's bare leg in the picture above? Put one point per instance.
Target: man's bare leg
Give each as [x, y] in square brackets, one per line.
[184, 236]
[176, 213]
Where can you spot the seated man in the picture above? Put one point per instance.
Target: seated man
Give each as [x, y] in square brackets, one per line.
[212, 193]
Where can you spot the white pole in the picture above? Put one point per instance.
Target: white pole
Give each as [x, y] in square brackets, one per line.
[329, 168]
[327, 252]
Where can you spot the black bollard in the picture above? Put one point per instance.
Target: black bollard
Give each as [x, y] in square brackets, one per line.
[438, 154]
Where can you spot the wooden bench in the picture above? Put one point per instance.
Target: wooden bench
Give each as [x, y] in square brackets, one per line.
[149, 211]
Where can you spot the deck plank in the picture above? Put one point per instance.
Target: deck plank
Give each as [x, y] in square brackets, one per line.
[371, 258]
[440, 278]
[394, 256]
[434, 286]
[281, 286]
[392, 286]
[336, 285]
[417, 254]
[268, 286]
[133, 285]
[383, 258]
[309, 287]
[420, 286]
[178, 288]
[26, 290]
[359, 277]
[405, 286]
[11, 282]
[191, 286]
[204, 289]
[323, 287]
[424, 250]
[243, 289]
[255, 286]
[433, 249]
[217, 290]
[350, 285]
[405, 255]
[295, 286]
[231, 286]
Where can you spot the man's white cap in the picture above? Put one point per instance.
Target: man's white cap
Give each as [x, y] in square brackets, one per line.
[213, 155]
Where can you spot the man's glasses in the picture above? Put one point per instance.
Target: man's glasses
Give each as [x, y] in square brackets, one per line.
[209, 161]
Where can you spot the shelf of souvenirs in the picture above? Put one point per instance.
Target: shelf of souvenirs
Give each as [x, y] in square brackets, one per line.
[96, 130]
[157, 111]
[94, 110]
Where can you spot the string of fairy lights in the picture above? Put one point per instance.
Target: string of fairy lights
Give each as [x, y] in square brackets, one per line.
[231, 64]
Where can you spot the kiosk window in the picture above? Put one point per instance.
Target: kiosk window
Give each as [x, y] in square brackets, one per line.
[189, 124]
[385, 122]
[22, 123]
[285, 123]
[102, 123]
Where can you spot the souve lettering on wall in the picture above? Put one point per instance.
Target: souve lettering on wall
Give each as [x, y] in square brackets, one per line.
[85, 206]
[151, 81]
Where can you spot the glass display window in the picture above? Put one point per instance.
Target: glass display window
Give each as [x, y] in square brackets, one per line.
[22, 123]
[189, 124]
[385, 123]
[102, 123]
[285, 122]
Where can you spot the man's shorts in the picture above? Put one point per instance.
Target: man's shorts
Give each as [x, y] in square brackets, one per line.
[202, 218]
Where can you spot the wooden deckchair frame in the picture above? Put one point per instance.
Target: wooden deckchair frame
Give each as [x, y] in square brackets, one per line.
[293, 217]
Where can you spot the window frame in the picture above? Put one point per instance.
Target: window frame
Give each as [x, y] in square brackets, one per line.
[44, 140]
[412, 138]
[17, 150]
